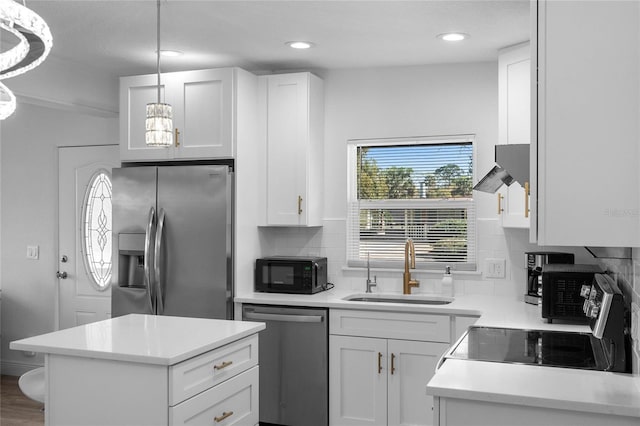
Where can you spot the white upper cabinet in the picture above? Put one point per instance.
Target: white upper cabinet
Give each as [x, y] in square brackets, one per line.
[585, 142]
[295, 133]
[204, 105]
[514, 125]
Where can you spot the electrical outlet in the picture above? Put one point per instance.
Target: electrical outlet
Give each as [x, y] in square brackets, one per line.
[495, 268]
[33, 252]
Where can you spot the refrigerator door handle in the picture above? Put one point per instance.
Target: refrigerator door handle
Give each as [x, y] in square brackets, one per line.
[148, 282]
[157, 264]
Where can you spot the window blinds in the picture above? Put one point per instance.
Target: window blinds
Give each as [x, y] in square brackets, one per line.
[419, 190]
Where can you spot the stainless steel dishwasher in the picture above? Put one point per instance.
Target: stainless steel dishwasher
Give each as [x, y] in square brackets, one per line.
[294, 364]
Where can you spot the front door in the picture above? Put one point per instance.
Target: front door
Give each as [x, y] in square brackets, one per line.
[84, 233]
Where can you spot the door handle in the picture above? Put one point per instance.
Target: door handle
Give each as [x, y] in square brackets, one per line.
[148, 242]
[260, 316]
[61, 275]
[156, 264]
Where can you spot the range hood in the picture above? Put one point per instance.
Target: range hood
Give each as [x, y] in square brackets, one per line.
[512, 165]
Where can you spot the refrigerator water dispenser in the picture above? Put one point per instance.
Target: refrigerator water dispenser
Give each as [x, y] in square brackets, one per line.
[131, 260]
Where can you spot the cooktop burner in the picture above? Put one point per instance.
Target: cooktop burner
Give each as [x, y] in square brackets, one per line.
[534, 347]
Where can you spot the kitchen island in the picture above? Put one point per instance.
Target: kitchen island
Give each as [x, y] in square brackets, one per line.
[150, 370]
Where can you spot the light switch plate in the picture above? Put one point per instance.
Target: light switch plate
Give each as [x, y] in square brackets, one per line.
[33, 252]
[495, 268]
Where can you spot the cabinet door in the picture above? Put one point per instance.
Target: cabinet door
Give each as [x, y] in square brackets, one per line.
[295, 116]
[358, 381]
[135, 93]
[287, 121]
[203, 112]
[514, 120]
[411, 366]
[587, 124]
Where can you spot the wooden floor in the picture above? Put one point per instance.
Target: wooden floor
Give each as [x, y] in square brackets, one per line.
[17, 409]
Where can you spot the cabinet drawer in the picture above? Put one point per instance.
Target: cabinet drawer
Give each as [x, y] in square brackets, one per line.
[234, 402]
[395, 325]
[195, 375]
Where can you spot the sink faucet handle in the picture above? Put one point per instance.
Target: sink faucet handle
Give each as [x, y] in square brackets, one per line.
[370, 283]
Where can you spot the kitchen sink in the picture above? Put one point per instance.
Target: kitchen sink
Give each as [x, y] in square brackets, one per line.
[399, 298]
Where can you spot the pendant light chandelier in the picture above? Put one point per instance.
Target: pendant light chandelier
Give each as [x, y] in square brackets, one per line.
[159, 123]
[33, 45]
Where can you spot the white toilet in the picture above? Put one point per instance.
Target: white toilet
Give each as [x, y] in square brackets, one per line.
[31, 384]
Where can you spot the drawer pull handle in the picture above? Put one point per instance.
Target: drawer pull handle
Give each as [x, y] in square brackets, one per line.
[225, 364]
[224, 415]
[379, 362]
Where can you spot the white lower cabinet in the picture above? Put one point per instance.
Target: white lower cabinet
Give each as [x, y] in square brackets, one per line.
[381, 380]
[464, 412]
[218, 387]
[230, 403]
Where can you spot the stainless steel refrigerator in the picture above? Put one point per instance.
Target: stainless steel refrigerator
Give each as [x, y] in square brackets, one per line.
[172, 231]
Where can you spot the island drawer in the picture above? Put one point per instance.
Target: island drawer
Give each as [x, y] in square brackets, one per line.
[198, 374]
[394, 325]
[234, 402]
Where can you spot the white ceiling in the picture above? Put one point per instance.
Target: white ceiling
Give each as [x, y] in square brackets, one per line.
[119, 37]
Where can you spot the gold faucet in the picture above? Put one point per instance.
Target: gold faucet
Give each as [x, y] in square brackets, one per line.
[409, 262]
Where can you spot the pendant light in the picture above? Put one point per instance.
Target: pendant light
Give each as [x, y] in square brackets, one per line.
[159, 123]
[33, 45]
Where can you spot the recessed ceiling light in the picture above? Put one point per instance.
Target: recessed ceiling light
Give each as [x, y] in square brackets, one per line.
[300, 44]
[170, 53]
[453, 36]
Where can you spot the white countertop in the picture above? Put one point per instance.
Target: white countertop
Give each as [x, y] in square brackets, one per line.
[149, 339]
[492, 310]
[551, 387]
[531, 385]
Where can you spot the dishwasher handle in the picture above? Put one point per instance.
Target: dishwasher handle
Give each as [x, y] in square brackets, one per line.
[261, 316]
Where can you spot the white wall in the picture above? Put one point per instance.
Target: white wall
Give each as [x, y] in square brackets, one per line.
[404, 102]
[57, 114]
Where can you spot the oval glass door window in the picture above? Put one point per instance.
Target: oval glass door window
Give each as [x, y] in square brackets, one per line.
[96, 230]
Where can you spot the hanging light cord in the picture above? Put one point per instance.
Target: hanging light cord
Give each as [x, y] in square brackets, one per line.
[158, 50]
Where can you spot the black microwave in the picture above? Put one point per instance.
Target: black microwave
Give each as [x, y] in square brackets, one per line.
[287, 274]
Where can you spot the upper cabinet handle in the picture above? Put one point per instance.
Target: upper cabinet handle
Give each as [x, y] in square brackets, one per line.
[177, 137]
[500, 209]
[299, 204]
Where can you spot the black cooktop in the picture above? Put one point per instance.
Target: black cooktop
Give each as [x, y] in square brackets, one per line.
[534, 347]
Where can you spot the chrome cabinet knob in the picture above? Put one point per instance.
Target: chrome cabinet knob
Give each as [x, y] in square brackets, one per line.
[61, 275]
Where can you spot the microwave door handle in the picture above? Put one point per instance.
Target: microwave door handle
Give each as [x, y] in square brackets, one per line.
[148, 239]
[156, 263]
[260, 316]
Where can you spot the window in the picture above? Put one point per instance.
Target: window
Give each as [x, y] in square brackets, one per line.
[96, 230]
[419, 188]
